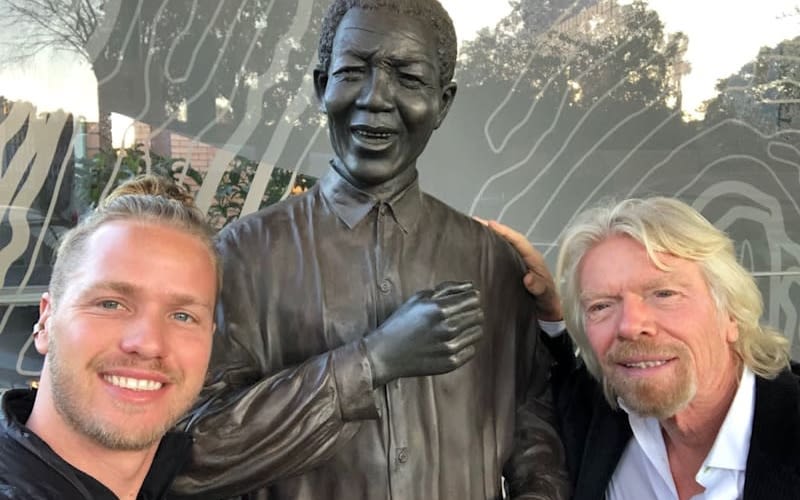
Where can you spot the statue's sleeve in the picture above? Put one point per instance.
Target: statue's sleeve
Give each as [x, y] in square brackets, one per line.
[537, 469]
[576, 393]
[251, 425]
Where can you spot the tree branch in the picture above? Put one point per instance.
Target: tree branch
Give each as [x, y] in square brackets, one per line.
[56, 24]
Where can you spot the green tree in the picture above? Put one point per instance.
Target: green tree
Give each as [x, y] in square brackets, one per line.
[92, 175]
[621, 54]
[764, 92]
[235, 186]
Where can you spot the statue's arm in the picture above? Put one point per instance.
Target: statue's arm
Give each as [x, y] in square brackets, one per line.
[280, 426]
[253, 423]
[537, 468]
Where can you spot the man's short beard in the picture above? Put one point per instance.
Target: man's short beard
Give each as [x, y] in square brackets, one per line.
[637, 398]
[650, 399]
[63, 386]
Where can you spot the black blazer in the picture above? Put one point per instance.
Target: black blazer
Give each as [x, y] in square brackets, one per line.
[595, 436]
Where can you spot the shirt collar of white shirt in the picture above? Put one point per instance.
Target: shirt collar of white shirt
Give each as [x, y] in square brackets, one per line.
[731, 446]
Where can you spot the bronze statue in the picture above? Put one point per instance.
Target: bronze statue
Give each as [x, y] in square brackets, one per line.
[373, 342]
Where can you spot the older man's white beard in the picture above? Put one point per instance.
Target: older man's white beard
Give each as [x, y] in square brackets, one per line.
[660, 396]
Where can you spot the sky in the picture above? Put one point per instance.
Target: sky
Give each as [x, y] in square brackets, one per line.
[723, 35]
[469, 17]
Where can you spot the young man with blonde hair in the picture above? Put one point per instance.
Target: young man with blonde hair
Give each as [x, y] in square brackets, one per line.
[126, 331]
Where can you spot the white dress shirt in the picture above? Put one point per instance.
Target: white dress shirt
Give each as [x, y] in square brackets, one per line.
[643, 472]
[552, 328]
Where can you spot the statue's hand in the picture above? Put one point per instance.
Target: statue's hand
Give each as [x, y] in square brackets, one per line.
[434, 332]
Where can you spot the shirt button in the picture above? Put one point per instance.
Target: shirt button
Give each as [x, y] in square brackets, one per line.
[385, 286]
[402, 455]
[382, 210]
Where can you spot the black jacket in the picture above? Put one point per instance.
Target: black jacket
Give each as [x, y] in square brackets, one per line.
[595, 435]
[29, 469]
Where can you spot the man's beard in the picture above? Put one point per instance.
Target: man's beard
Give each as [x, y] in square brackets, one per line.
[69, 403]
[661, 395]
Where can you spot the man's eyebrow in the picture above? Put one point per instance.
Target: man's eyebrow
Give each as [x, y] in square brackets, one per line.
[128, 289]
[669, 280]
[395, 60]
[120, 287]
[589, 296]
[655, 283]
[410, 61]
[185, 299]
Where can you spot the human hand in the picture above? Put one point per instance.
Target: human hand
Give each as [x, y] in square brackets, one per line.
[434, 332]
[537, 280]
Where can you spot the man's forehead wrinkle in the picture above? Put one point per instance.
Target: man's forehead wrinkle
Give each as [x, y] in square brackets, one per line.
[666, 279]
[403, 33]
[92, 288]
[115, 285]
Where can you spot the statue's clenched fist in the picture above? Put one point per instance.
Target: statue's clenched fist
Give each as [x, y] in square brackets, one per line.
[434, 332]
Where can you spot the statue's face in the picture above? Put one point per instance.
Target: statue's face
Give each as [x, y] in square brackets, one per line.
[382, 94]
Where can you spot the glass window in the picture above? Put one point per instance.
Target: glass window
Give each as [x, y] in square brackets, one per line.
[560, 104]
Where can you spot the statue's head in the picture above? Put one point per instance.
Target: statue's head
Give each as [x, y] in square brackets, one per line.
[385, 82]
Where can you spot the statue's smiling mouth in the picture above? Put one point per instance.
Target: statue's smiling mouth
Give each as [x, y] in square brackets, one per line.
[373, 135]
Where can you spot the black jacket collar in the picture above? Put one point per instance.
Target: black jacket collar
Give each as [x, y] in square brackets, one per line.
[173, 451]
[773, 464]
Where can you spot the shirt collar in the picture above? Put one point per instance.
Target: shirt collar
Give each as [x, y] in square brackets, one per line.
[351, 205]
[732, 444]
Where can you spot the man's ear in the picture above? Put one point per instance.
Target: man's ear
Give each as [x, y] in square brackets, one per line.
[448, 94]
[731, 330]
[320, 82]
[41, 330]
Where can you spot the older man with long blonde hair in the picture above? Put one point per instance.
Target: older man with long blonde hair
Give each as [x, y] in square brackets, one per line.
[679, 391]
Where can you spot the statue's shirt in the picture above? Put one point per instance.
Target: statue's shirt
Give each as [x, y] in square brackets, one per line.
[304, 281]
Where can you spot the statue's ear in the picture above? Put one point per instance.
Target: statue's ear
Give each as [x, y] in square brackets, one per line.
[448, 94]
[320, 82]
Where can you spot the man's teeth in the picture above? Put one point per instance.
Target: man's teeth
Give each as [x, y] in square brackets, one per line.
[373, 135]
[133, 384]
[645, 364]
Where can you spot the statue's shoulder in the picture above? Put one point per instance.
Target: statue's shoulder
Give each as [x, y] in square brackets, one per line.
[276, 217]
[442, 213]
[468, 229]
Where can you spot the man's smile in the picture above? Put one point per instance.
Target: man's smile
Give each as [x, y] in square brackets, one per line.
[134, 384]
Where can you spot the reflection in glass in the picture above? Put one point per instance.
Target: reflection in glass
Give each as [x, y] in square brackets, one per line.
[560, 103]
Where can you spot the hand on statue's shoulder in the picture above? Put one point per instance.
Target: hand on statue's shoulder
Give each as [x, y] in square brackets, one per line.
[537, 280]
